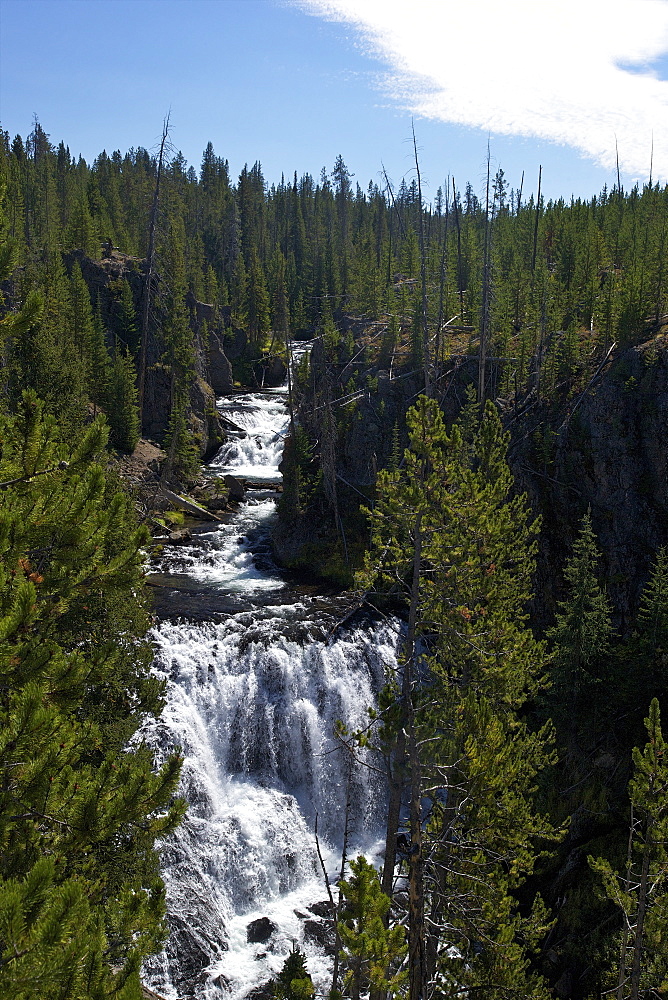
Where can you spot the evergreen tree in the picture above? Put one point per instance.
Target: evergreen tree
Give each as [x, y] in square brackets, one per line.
[447, 533]
[81, 901]
[100, 370]
[127, 328]
[81, 233]
[372, 952]
[81, 319]
[257, 302]
[182, 454]
[581, 633]
[649, 643]
[123, 410]
[641, 892]
[239, 293]
[293, 981]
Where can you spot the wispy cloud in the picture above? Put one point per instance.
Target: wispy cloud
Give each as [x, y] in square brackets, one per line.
[576, 72]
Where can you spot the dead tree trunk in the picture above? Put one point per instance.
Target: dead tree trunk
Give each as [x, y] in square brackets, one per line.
[535, 226]
[416, 923]
[459, 250]
[150, 266]
[486, 295]
[423, 279]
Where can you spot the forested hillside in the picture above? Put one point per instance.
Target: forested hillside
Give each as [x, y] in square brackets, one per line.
[477, 442]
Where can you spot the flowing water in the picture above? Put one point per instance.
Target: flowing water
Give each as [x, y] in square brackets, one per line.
[257, 677]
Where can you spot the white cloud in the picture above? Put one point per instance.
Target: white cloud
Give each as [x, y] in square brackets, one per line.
[576, 72]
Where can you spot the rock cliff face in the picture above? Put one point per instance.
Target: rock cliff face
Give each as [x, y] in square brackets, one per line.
[213, 377]
[604, 447]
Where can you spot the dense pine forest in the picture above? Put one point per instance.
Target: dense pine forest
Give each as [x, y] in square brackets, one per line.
[477, 444]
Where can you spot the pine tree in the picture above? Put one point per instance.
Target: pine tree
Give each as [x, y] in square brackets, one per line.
[448, 535]
[100, 369]
[81, 901]
[123, 410]
[257, 302]
[650, 641]
[239, 293]
[581, 633]
[81, 319]
[372, 952]
[182, 454]
[81, 231]
[293, 981]
[126, 327]
[642, 891]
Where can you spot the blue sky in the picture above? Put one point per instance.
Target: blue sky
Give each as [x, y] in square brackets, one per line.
[292, 83]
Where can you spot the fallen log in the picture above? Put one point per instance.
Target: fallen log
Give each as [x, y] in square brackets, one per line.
[189, 506]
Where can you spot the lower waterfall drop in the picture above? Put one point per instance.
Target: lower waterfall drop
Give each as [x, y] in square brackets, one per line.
[253, 698]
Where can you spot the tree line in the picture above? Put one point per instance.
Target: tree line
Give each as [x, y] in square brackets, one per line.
[489, 731]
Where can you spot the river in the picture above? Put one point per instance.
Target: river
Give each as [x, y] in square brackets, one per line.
[257, 676]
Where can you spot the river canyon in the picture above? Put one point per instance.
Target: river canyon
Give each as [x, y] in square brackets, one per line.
[258, 673]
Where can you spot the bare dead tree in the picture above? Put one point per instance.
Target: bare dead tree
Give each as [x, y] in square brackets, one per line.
[441, 288]
[486, 291]
[535, 226]
[423, 276]
[459, 249]
[342, 875]
[150, 268]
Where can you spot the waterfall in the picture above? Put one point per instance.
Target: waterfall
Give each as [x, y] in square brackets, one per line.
[253, 698]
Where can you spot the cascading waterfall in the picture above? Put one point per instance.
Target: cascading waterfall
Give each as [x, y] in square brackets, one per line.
[253, 700]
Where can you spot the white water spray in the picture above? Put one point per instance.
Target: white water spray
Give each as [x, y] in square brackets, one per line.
[252, 702]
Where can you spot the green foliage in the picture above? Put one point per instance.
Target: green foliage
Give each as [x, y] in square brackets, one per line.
[582, 632]
[182, 454]
[293, 981]
[372, 952]
[257, 302]
[450, 507]
[122, 411]
[127, 329]
[81, 901]
[641, 891]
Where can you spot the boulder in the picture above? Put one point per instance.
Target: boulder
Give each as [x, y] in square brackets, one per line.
[260, 930]
[321, 933]
[236, 487]
[180, 537]
[324, 909]
[220, 368]
[149, 455]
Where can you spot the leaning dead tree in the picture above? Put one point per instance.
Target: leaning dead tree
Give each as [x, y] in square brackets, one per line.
[423, 279]
[486, 292]
[150, 270]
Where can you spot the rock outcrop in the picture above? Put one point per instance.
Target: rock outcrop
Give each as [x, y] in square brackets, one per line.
[602, 446]
[213, 373]
[603, 449]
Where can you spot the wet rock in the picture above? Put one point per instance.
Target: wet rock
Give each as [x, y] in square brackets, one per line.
[260, 930]
[220, 368]
[323, 909]
[190, 952]
[263, 992]
[236, 487]
[180, 537]
[216, 504]
[321, 933]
